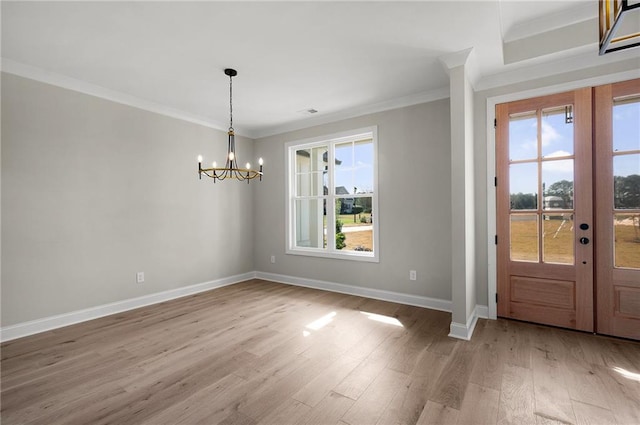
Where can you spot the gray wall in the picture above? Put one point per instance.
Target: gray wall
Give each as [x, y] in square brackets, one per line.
[414, 177]
[94, 191]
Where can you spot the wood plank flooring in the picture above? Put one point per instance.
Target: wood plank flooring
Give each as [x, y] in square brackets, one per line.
[260, 352]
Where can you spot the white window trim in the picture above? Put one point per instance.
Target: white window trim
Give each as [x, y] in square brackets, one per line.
[290, 162]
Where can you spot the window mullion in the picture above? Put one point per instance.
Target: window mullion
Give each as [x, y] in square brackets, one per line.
[291, 213]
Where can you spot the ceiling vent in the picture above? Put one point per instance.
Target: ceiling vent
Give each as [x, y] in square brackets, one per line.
[309, 111]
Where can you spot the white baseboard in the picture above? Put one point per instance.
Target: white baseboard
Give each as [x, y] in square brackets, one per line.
[482, 311]
[465, 330]
[378, 294]
[462, 331]
[53, 322]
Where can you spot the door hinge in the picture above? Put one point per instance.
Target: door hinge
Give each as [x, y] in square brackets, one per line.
[495, 122]
[495, 181]
[496, 297]
[496, 239]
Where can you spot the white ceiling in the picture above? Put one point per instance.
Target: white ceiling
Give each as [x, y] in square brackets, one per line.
[341, 58]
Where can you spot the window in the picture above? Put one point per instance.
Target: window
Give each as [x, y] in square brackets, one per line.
[332, 196]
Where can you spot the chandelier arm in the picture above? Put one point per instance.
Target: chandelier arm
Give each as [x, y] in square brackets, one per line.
[231, 172]
[237, 173]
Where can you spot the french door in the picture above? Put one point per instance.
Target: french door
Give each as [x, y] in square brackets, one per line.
[617, 177]
[568, 209]
[544, 173]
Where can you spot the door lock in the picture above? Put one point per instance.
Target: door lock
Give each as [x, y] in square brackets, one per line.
[584, 241]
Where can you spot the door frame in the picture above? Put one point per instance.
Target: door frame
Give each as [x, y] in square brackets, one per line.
[492, 101]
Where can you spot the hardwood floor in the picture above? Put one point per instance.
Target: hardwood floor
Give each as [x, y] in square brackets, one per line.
[265, 353]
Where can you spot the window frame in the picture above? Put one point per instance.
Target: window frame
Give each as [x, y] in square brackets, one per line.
[330, 141]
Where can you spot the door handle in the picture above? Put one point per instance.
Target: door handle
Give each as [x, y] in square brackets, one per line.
[584, 241]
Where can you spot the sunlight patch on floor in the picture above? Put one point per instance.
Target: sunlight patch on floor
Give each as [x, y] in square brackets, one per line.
[321, 322]
[627, 374]
[383, 319]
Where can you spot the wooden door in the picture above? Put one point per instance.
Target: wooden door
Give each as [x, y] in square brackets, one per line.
[617, 176]
[544, 210]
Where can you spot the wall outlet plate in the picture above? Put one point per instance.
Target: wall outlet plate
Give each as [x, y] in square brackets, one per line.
[140, 277]
[413, 275]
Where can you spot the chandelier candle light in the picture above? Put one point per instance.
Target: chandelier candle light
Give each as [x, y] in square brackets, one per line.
[230, 169]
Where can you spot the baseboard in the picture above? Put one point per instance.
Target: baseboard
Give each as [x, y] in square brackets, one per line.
[20, 330]
[482, 311]
[53, 322]
[465, 331]
[378, 294]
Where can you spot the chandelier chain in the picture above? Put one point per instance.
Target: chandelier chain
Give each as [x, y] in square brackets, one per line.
[230, 102]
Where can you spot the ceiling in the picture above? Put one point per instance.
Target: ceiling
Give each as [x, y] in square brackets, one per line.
[340, 58]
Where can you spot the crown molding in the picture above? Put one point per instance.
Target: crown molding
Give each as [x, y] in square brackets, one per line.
[387, 105]
[527, 73]
[10, 66]
[38, 74]
[455, 59]
[578, 12]
[588, 58]
[464, 57]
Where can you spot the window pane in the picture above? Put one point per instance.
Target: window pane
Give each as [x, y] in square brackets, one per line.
[344, 182]
[627, 240]
[354, 230]
[558, 238]
[310, 227]
[523, 186]
[363, 166]
[320, 158]
[626, 125]
[626, 181]
[310, 184]
[523, 136]
[557, 184]
[524, 237]
[311, 159]
[557, 133]
[343, 177]
[344, 155]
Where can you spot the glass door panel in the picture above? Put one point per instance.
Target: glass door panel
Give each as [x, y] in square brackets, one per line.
[523, 186]
[626, 182]
[542, 162]
[558, 238]
[524, 237]
[523, 136]
[557, 132]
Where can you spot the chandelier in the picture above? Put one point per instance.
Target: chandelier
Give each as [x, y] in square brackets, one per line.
[230, 169]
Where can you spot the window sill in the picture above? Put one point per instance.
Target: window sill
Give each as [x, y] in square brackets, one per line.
[367, 257]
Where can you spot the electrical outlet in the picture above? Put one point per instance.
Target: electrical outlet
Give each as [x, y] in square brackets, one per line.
[413, 275]
[140, 277]
[273, 259]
